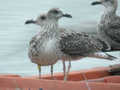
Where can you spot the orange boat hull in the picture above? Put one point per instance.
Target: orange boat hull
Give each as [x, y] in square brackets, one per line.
[98, 78]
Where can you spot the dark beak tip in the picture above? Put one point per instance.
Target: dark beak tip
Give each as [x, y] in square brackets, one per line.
[95, 3]
[26, 22]
[29, 21]
[92, 3]
[67, 15]
[70, 16]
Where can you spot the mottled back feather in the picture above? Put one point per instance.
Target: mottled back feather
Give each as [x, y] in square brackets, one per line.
[80, 44]
[113, 29]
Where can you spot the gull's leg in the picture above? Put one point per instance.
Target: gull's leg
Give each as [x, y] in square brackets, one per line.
[64, 70]
[86, 81]
[69, 66]
[52, 72]
[39, 68]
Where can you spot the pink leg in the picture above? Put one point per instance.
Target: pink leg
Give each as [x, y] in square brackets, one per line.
[86, 82]
[69, 66]
[39, 68]
[64, 70]
[52, 72]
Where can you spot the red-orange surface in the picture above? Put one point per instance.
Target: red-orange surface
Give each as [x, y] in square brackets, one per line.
[79, 75]
[97, 79]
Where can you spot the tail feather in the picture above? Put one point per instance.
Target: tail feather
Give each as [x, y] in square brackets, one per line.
[110, 57]
[104, 56]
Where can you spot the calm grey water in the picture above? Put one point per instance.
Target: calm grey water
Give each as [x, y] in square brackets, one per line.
[15, 36]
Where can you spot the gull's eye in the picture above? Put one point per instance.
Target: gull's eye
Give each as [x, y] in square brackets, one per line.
[55, 11]
[42, 17]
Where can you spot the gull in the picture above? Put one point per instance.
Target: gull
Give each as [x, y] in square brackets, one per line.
[55, 45]
[109, 24]
[43, 46]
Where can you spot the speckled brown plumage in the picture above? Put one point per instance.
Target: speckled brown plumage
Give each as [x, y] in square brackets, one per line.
[109, 24]
[52, 43]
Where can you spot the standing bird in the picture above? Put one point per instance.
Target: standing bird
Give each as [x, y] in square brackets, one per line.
[43, 46]
[109, 25]
[67, 46]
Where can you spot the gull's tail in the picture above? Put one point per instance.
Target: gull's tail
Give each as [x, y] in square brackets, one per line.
[104, 55]
[110, 57]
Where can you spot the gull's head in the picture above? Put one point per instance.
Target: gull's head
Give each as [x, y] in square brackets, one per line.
[56, 13]
[52, 15]
[40, 20]
[106, 3]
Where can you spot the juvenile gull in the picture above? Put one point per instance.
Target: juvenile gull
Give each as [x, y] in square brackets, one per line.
[109, 25]
[38, 49]
[43, 46]
[54, 45]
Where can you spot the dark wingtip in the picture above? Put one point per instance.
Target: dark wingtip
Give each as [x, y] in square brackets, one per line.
[110, 57]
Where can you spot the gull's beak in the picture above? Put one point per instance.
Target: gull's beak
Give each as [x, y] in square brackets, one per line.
[30, 22]
[96, 3]
[67, 15]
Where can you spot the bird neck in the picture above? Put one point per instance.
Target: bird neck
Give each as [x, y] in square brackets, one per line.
[50, 29]
[108, 15]
[109, 12]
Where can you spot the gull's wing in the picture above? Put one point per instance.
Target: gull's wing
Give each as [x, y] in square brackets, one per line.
[114, 29]
[106, 46]
[34, 45]
[79, 44]
[116, 23]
